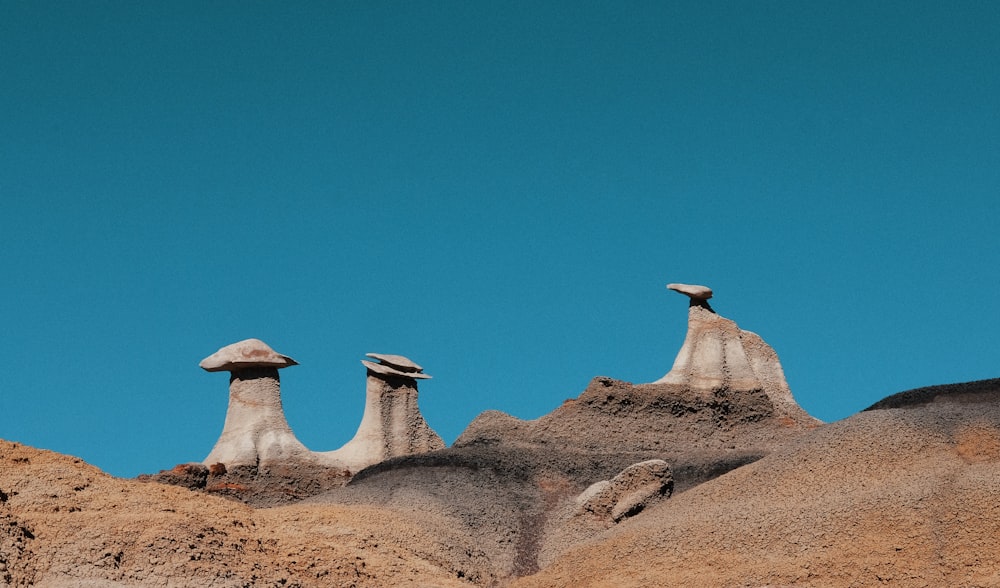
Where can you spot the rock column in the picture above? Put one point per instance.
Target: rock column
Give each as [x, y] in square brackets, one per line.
[392, 424]
[255, 432]
[718, 355]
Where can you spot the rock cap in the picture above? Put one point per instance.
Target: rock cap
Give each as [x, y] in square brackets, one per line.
[693, 291]
[245, 354]
[394, 365]
[397, 361]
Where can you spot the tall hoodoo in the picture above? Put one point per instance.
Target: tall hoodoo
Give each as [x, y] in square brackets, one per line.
[392, 424]
[718, 354]
[256, 431]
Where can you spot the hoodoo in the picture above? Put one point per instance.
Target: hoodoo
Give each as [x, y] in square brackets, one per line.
[256, 431]
[392, 424]
[717, 354]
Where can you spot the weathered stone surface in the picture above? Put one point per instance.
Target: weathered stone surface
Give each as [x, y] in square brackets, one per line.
[392, 424]
[67, 524]
[594, 493]
[712, 355]
[901, 496]
[628, 493]
[256, 431]
[245, 354]
[910, 492]
[399, 362]
[189, 475]
[718, 355]
[388, 370]
[260, 487]
[692, 291]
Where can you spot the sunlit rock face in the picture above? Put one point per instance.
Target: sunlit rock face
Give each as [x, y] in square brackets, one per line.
[392, 424]
[718, 355]
[256, 431]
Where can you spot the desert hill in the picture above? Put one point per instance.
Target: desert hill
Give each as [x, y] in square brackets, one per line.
[512, 486]
[66, 523]
[906, 496]
[506, 482]
[710, 476]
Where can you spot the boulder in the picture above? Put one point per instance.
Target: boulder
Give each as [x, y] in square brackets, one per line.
[628, 493]
[694, 292]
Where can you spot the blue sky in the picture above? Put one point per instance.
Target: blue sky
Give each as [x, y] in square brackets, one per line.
[499, 192]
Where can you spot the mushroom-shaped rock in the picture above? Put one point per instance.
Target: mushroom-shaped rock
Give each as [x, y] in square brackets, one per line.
[245, 354]
[396, 362]
[256, 431]
[699, 295]
[391, 424]
[387, 369]
[628, 493]
[718, 355]
[692, 291]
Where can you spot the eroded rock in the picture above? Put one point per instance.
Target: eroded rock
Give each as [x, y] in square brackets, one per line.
[392, 424]
[256, 431]
[245, 354]
[692, 291]
[635, 488]
[718, 355]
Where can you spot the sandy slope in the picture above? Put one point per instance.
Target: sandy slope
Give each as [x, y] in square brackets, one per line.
[510, 485]
[904, 497]
[65, 523]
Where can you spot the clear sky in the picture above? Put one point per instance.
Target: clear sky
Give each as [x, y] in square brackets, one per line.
[499, 191]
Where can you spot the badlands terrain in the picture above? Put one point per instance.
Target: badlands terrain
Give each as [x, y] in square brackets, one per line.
[710, 476]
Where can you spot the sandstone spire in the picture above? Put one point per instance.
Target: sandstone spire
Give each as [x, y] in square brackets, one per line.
[392, 424]
[717, 354]
[256, 431]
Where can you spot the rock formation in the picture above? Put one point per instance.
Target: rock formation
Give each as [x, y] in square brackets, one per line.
[904, 495]
[718, 355]
[628, 493]
[521, 479]
[725, 404]
[603, 505]
[391, 425]
[256, 431]
[699, 295]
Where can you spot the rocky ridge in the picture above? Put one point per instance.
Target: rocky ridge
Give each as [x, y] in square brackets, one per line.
[258, 459]
[521, 479]
[710, 476]
[66, 523]
[900, 496]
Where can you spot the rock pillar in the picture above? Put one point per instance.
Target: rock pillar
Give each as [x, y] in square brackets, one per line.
[392, 424]
[255, 432]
